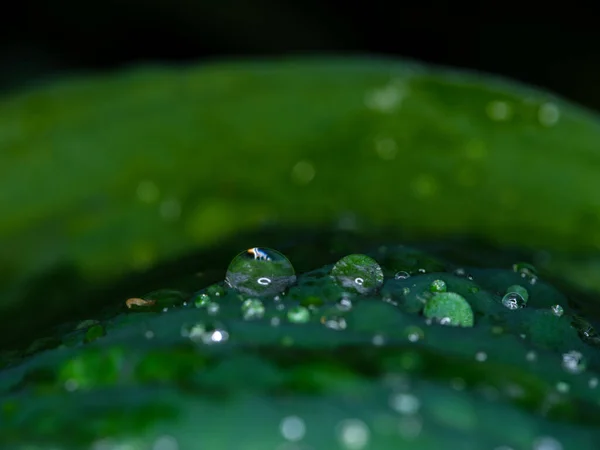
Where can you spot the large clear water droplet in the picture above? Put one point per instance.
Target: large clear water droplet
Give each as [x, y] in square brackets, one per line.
[260, 272]
[513, 301]
[359, 273]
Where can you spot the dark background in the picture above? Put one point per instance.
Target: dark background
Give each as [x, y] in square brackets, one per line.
[43, 38]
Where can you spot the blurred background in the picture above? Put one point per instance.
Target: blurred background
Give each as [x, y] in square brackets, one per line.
[41, 39]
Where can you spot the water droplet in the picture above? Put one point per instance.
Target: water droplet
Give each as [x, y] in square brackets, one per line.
[548, 114]
[386, 148]
[218, 336]
[557, 310]
[450, 307]
[303, 172]
[275, 321]
[424, 186]
[359, 273]
[593, 383]
[71, 385]
[547, 443]
[149, 334]
[405, 403]
[402, 275]
[253, 309]
[215, 290]
[438, 286]
[498, 110]
[519, 290]
[513, 301]
[414, 334]
[573, 362]
[201, 300]
[562, 387]
[337, 323]
[260, 272]
[213, 308]
[378, 340]
[201, 333]
[460, 272]
[166, 443]
[298, 314]
[344, 304]
[526, 270]
[531, 356]
[385, 99]
[147, 191]
[353, 434]
[480, 356]
[170, 209]
[292, 428]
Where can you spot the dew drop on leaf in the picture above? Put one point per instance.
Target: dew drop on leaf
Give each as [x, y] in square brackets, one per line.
[358, 273]
[260, 272]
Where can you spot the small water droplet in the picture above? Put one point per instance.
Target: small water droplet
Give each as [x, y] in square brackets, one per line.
[438, 286]
[298, 314]
[526, 270]
[557, 310]
[149, 334]
[201, 300]
[460, 272]
[402, 275]
[593, 383]
[253, 309]
[480, 356]
[260, 272]
[513, 301]
[562, 387]
[170, 209]
[147, 191]
[353, 434]
[519, 290]
[165, 443]
[344, 304]
[334, 322]
[359, 273]
[378, 340]
[303, 172]
[292, 428]
[218, 336]
[386, 148]
[71, 385]
[548, 114]
[498, 110]
[573, 362]
[385, 99]
[531, 356]
[547, 443]
[405, 403]
[213, 308]
[414, 334]
[275, 321]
